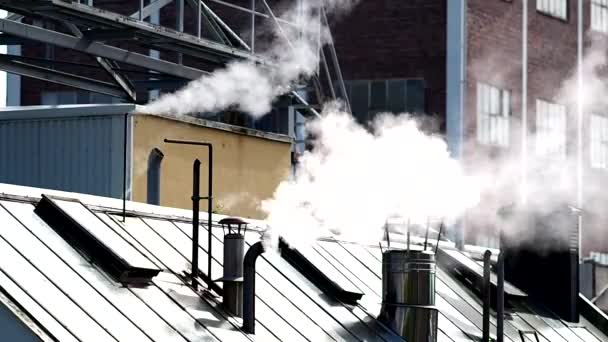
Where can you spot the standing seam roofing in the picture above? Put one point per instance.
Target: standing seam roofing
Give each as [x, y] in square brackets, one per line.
[75, 301]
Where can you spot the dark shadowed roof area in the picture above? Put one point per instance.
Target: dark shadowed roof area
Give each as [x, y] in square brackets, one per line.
[62, 295]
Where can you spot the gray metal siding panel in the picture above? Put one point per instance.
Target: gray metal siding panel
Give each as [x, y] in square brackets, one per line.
[79, 154]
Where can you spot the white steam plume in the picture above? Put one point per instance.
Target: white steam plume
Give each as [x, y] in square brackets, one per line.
[355, 179]
[251, 87]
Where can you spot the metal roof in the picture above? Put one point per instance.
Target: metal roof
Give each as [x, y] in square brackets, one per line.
[64, 111]
[73, 300]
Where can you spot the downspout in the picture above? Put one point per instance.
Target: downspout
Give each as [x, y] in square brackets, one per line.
[524, 105]
[579, 133]
[249, 286]
[456, 82]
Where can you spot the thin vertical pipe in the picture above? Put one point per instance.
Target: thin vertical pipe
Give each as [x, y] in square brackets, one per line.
[196, 178]
[180, 25]
[486, 296]
[252, 45]
[141, 9]
[124, 169]
[580, 109]
[500, 298]
[439, 236]
[199, 23]
[196, 201]
[524, 105]
[210, 209]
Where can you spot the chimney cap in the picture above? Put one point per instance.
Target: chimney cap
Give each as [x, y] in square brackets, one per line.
[230, 222]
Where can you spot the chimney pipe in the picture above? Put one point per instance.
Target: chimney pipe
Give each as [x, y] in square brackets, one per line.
[234, 246]
[486, 296]
[408, 294]
[500, 298]
[249, 287]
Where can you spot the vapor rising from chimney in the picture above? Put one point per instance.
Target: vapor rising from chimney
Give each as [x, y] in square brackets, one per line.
[251, 87]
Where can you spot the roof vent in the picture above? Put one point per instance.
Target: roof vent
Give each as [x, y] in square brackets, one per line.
[234, 248]
[86, 232]
[408, 294]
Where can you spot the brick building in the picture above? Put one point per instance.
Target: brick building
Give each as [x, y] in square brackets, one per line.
[487, 70]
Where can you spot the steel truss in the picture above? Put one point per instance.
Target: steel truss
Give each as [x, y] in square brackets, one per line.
[80, 26]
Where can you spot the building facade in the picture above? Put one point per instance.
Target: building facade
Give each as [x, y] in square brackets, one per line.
[514, 85]
[83, 149]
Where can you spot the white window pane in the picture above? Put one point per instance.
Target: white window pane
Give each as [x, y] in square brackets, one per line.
[506, 103]
[494, 102]
[486, 99]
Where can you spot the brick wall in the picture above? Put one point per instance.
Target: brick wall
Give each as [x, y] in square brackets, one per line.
[384, 39]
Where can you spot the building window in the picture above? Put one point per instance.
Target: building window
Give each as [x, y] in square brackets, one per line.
[599, 15]
[154, 163]
[555, 8]
[599, 141]
[550, 130]
[493, 111]
[370, 97]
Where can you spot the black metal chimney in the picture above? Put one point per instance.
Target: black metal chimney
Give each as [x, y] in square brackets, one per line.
[234, 248]
[545, 264]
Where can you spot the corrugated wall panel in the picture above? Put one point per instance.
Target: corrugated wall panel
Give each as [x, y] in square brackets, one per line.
[79, 154]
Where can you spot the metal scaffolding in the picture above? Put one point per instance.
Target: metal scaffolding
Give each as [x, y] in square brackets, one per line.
[116, 41]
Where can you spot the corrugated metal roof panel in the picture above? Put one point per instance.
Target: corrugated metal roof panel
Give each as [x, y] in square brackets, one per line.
[289, 307]
[78, 154]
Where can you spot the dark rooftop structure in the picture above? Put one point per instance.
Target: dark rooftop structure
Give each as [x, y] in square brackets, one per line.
[54, 289]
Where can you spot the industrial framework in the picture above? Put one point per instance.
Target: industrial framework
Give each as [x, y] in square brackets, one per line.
[84, 27]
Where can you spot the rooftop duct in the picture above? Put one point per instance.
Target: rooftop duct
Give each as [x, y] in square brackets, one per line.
[408, 294]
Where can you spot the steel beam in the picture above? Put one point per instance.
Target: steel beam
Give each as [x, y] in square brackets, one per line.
[225, 26]
[109, 67]
[122, 81]
[94, 17]
[98, 49]
[105, 35]
[29, 70]
[153, 7]
[250, 11]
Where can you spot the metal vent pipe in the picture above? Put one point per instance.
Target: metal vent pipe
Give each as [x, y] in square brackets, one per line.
[486, 294]
[234, 247]
[249, 287]
[408, 294]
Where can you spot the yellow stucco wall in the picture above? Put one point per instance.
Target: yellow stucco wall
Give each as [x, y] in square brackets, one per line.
[247, 169]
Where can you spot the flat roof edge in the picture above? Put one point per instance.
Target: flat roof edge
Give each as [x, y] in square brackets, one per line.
[64, 111]
[220, 126]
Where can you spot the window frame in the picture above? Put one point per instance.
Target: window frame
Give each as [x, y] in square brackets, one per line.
[488, 138]
[371, 112]
[545, 133]
[603, 7]
[554, 14]
[595, 129]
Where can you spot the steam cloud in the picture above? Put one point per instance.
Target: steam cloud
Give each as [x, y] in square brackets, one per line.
[251, 87]
[354, 179]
